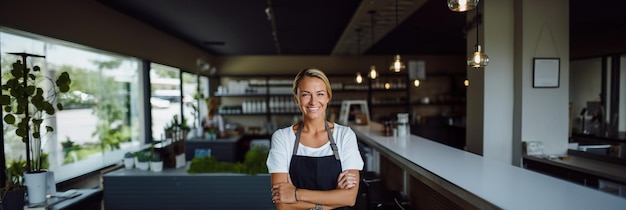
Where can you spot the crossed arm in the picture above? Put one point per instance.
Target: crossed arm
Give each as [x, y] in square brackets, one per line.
[284, 192]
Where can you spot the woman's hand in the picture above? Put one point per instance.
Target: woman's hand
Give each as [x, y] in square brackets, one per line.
[284, 193]
[346, 180]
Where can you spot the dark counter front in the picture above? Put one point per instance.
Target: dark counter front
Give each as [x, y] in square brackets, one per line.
[230, 149]
[223, 149]
[176, 189]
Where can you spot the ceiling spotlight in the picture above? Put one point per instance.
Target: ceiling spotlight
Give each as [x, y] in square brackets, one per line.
[462, 5]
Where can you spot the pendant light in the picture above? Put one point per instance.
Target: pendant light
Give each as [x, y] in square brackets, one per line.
[359, 78]
[416, 82]
[373, 73]
[397, 64]
[462, 5]
[478, 58]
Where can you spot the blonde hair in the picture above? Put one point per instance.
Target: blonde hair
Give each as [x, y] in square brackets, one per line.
[310, 72]
[212, 103]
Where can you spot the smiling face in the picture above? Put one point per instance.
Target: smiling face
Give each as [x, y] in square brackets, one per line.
[312, 97]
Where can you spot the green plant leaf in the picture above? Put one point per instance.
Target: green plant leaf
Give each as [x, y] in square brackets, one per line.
[5, 100]
[9, 119]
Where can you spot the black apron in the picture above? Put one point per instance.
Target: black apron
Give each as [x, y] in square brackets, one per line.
[315, 173]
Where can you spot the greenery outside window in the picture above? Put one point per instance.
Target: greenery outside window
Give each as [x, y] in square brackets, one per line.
[101, 116]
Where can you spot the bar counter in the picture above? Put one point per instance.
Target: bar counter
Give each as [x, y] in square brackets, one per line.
[434, 175]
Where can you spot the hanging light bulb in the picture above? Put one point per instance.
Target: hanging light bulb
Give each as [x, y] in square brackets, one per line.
[397, 64]
[387, 85]
[416, 82]
[462, 5]
[373, 73]
[359, 78]
[478, 58]
[466, 83]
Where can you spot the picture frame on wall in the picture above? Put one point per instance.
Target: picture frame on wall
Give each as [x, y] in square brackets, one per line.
[546, 72]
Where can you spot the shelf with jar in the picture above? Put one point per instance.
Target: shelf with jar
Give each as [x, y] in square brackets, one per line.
[272, 95]
[256, 95]
[345, 87]
[390, 90]
[236, 86]
[440, 90]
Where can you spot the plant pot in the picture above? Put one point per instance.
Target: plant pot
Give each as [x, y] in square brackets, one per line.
[180, 160]
[14, 199]
[144, 166]
[156, 166]
[36, 186]
[129, 163]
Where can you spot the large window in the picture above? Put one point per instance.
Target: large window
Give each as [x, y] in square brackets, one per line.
[101, 117]
[166, 98]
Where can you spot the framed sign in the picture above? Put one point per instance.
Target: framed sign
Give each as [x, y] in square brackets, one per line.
[546, 72]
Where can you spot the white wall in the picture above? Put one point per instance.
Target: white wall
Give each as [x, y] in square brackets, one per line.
[515, 32]
[545, 111]
[499, 80]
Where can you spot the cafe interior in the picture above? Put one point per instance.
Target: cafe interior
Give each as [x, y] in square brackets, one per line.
[521, 93]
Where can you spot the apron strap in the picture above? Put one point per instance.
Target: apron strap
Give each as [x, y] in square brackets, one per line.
[333, 146]
[295, 147]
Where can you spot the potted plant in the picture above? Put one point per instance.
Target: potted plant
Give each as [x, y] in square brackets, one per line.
[176, 129]
[156, 164]
[12, 195]
[143, 160]
[27, 99]
[129, 160]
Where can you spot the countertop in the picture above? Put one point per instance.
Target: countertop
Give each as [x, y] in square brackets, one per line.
[502, 184]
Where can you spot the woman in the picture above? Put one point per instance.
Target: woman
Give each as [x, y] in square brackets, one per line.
[314, 164]
[212, 122]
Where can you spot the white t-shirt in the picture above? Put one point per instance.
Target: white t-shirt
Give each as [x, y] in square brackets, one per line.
[282, 148]
[217, 122]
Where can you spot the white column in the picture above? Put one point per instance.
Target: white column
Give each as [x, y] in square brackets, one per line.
[503, 107]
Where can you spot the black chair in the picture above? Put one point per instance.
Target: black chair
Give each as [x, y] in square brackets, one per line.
[377, 197]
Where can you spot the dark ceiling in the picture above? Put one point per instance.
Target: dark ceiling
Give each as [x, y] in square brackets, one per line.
[331, 27]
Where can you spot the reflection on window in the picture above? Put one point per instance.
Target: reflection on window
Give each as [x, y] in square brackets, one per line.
[165, 98]
[100, 120]
[194, 92]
